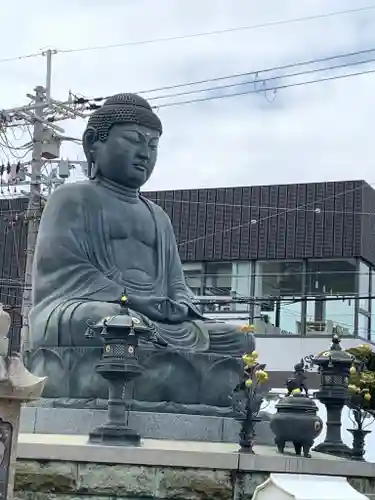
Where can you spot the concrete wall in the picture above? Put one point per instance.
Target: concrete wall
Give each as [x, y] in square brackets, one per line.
[57, 467]
[52, 480]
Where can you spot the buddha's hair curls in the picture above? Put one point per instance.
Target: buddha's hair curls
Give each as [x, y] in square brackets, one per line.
[122, 108]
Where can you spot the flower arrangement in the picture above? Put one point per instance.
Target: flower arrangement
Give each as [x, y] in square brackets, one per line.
[246, 400]
[248, 328]
[254, 372]
[362, 378]
[361, 396]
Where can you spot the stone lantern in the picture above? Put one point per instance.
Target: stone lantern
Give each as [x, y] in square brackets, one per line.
[334, 368]
[119, 366]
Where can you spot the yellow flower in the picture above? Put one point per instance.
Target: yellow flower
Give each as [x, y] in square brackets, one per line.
[249, 360]
[296, 391]
[353, 370]
[367, 396]
[261, 375]
[352, 388]
[249, 382]
[365, 347]
[247, 328]
[255, 355]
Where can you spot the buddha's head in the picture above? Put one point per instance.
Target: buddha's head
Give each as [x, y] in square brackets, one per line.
[121, 140]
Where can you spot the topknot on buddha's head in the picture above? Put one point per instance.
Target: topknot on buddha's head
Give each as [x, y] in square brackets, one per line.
[122, 108]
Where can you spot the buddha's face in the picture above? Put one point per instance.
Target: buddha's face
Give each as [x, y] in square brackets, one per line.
[128, 156]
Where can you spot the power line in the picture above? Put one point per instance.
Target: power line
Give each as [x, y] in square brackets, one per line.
[275, 68]
[291, 298]
[18, 58]
[256, 91]
[16, 282]
[300, 73]
[195, 35]
[308, 62]
[255, 73]
[222, 31]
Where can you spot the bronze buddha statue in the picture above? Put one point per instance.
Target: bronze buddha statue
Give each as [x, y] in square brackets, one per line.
[100, 237]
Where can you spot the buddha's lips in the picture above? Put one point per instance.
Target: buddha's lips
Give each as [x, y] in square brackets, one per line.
[140, 166]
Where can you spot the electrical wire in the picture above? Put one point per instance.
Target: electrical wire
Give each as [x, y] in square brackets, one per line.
[18, 58]
[196, 35]
[291, 298]
[255, 73]
[255, 81]
[220, 31]
[257, 91]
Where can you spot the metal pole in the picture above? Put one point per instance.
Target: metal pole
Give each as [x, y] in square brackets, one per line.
[48, 53]
[33, 216]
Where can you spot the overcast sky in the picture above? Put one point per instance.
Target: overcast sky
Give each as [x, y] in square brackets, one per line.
[314, 132]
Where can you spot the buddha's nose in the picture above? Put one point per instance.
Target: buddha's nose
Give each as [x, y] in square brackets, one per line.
[144, 152]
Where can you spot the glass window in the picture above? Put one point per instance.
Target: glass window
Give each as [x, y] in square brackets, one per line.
[364, 286]
[218, 279]
[194, 281]
[193, 272]
[363, 326]
[372, 332]
[331, 290]
[278, 293]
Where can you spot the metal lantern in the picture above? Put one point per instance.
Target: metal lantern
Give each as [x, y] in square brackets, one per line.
[119, 365]
[334, 367]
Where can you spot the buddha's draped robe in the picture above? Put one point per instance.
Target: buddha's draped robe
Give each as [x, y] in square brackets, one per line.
[75, 275]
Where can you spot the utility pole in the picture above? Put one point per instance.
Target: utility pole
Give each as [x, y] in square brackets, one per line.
[33, 212]
[42, 114]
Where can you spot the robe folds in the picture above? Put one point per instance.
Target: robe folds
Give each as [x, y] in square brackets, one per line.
[73, 263]
[76, 280]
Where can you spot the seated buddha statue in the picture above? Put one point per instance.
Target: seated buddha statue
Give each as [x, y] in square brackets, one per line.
[100, 237]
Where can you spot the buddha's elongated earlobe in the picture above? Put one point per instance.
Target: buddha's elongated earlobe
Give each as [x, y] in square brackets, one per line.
[92, 170]
[88, 140]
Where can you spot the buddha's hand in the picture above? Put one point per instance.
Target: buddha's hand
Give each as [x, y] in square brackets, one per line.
[159, 308]
[177, 311]
[152, 307]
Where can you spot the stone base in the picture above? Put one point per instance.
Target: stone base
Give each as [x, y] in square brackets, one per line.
[9, 421]
[172, 381]
[118, 435]
[68, 468]
[41, 420]
[337, 450]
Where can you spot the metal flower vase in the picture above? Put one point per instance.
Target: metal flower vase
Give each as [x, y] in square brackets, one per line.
[246, 400]
[358, 449]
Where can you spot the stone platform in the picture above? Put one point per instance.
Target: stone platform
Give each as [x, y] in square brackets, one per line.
[44, 420]
[67, 467]
[173, 381]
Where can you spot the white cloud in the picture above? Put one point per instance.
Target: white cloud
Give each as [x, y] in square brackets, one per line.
[310, 133]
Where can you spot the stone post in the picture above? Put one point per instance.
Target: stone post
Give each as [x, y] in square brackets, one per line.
[17, 385]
